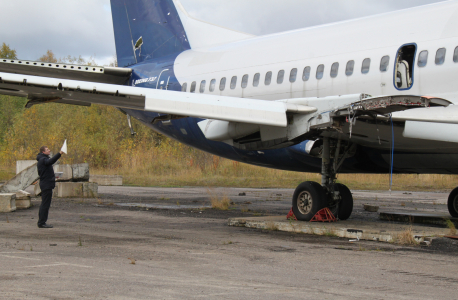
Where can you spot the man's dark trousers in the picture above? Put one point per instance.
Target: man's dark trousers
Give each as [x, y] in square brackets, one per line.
[46, 197]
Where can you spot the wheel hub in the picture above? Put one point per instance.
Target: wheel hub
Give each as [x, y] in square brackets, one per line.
[304, 202]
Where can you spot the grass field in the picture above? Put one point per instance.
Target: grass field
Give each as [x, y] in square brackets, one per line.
[157, 168]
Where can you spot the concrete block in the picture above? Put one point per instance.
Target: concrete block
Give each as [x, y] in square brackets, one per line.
[23, 204]
[22, 180]
[7, 202]
[67, 171]
[36, 189]
[21, 165]
[90, 190]
[23, 200]
[22, 195]
[80, 172]
[69, 189]
[106, 180]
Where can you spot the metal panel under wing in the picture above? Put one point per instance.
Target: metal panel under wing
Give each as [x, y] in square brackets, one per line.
[444, 132]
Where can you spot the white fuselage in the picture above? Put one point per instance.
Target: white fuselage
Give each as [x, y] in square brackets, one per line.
[428, 27]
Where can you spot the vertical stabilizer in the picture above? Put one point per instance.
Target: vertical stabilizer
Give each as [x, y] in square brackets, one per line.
[146, 29]
[149, 29]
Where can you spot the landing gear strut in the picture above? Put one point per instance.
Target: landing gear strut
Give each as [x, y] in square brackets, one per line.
[310, 197]
[453, 203]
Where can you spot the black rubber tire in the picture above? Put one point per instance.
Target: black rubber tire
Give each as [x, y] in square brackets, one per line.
[346, 202]
[314, 194]
[452, 203]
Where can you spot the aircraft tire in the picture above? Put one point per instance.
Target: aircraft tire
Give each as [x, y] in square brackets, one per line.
[309, 197]
[346, 202]
[452, 203]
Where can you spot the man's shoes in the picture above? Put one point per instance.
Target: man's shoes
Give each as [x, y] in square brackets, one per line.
[45, 226]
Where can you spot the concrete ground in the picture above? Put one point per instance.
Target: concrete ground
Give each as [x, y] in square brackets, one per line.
[165, 245]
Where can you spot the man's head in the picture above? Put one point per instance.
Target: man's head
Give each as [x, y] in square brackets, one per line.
[45, 150]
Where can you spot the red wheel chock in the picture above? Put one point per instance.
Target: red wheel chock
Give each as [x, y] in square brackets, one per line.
[323, 215]
[291, 215]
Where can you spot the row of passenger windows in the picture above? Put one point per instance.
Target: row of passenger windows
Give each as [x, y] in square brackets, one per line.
[349, 69]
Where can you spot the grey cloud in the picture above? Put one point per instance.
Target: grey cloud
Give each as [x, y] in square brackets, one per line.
[85, 27]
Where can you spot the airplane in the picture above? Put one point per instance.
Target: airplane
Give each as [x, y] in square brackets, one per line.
[369, 95]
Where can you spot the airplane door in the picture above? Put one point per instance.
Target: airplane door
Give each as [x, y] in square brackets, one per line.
[403, 78]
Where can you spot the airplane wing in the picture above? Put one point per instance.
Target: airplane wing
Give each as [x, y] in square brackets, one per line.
[45, 89]
[248, 124]
[98, 74]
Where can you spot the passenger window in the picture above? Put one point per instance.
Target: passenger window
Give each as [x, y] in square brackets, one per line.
[202, 86]
[334, 70]
[184, 87]
[244, 81]
[384, 63]
[268, 78]
[222, 84]
[256, 78]
[293, 75]
[280, 76]
[440, 56]
[306, 74]
[350, 67]
[233, 82]
[193, 87]
[423, 58]
[455, 55]
[212, 85]
[319, 72]
[366, 66]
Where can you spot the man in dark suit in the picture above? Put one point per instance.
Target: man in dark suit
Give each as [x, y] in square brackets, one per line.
[47, 183]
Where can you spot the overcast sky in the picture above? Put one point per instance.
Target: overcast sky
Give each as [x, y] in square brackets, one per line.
[84, 27]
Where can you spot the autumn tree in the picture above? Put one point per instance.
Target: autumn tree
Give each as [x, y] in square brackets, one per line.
[7, 52]
[49, 57]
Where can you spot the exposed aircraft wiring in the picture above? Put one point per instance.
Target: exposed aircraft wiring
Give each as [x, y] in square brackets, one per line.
[352, 118]
[391, 153]
[378, 131]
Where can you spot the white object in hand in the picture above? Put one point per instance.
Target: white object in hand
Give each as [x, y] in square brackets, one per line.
[64, 147]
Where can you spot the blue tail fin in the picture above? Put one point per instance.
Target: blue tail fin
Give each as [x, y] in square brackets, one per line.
[146, 29]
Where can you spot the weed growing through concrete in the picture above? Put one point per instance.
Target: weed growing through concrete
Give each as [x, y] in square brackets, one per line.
[7, 220]
[221, 203]
[80, 243]
[178, 203]
[450, 226]
[99, 201]
[244, 209]
[406, 237]
[330, 232]
[271, 226]
[132, 261]
[227, 243]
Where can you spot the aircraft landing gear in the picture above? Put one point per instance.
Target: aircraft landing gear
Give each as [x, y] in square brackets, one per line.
[310, 197]
[453, 203]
